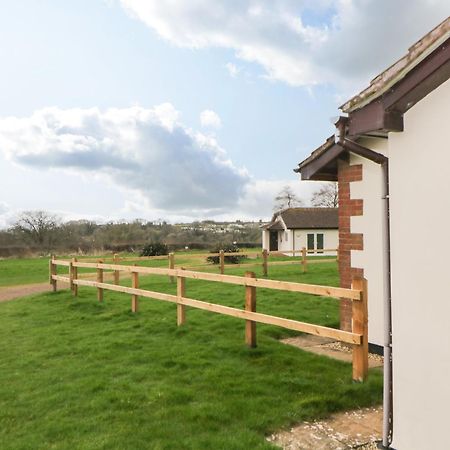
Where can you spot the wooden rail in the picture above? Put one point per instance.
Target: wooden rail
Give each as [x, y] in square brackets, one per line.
[261, 259]
[358, 294]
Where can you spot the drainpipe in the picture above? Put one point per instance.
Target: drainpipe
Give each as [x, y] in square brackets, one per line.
[383, 161]
[387, 353]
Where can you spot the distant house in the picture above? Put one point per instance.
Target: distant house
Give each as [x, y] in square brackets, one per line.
[391, 158]
[295, 228]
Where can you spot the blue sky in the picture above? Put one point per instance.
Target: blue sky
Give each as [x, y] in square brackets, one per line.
[271, 73]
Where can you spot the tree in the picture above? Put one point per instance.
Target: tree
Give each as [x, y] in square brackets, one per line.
[326, 196]
[38, 226]
[287, 198]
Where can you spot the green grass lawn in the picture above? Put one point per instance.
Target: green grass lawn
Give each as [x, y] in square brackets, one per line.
[76, 374]
[17, 271]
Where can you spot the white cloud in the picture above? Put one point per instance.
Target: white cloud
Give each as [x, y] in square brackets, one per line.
[233, 70]
[163, 168]
[146, 151]
[295, 41]
[210, 119]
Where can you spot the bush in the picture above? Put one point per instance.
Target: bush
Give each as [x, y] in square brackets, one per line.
[155, 249]
[227, 248]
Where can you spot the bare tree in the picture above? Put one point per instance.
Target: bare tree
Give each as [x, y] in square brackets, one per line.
[287, 198]
[326, 196]
[38, 227]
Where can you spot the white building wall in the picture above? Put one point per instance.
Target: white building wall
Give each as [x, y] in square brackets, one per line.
[370, 189]
[265, 239]
[420, 224]
[297, 239]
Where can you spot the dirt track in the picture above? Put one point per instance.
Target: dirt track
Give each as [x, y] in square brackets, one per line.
[12, 292]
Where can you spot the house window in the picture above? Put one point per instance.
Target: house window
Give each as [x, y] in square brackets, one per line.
[310, 238]
[319, 240]
[286, 236]
[315, 241]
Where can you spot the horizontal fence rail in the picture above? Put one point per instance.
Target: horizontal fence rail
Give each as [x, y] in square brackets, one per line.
[260, 259]
[358, 294]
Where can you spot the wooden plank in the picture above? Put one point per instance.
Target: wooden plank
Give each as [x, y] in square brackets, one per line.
[222, 262]
[134, 297]
[360, 326]
[326, 291]
[63, 278]
[71, 269]
[53, 274]
[316, 330]
[100, 280]
[307, 251]
[250, 305]
[264, 264]
[116, 259]
[181, 309]
[144, 258]
[61, 262]
[318, 261]
[129, 290]
[75, 276]
[171, 265]
[304, 262]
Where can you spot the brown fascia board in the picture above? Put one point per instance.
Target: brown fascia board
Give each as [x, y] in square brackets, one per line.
[324, 167]
[319, 167]
[373, 117]
[386, 112]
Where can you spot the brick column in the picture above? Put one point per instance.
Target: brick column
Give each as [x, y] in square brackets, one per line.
[348, 241]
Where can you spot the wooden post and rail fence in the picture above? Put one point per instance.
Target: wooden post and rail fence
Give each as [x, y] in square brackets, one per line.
[357, 294]
[263, 256]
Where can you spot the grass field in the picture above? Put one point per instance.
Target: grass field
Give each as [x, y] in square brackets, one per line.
[76, 374]
[19, 271]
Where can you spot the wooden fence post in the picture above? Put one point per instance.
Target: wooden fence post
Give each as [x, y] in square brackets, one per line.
[265, 262]
[337, 255]
[53, 271]
[134, 298]
[222, 262]
[75, 277]
[359, 326]
[181, 292]
[250, 305]
[71, 285]
[116, 260]
[171, 265]
[304, 259]
[99, 280]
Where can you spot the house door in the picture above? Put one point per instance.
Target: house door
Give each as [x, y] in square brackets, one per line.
[273, 241]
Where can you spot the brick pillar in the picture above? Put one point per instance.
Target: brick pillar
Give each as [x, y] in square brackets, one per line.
[348, 241]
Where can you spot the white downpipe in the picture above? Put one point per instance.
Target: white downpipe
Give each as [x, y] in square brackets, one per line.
[387, 366]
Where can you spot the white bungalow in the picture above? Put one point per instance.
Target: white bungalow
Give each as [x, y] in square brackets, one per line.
[294, 228]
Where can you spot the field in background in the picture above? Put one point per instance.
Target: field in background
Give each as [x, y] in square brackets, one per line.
[80, 374]
[18, 271]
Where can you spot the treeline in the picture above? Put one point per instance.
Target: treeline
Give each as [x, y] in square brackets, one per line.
[39, 232]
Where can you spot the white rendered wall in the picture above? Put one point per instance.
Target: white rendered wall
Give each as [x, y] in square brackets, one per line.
[299, 239]
[265, 239]
[370, 189]
[420, 224]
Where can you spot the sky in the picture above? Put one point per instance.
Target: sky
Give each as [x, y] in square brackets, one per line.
[181, 110]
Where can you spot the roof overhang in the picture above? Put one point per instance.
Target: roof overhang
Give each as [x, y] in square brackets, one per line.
[324, 167]
[383, 114]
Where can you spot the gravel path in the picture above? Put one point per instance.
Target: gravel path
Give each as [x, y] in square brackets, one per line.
[358, 429]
